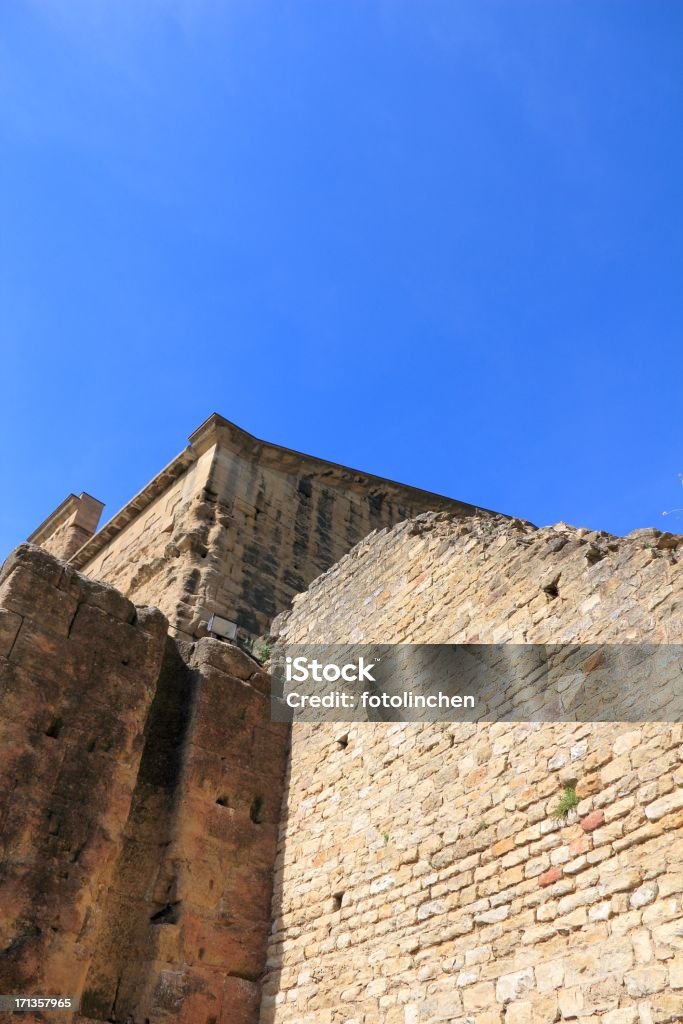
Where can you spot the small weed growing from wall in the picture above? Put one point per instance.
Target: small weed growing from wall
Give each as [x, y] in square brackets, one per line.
[481, 827]
[260, 649]
[568, 801]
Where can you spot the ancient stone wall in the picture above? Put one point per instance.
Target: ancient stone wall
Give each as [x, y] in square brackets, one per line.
[439, 579]
[423, 874]
[156, 555]
[238, 527]
[140, 788]
[69, 527]
[78, 667]
[188, 912]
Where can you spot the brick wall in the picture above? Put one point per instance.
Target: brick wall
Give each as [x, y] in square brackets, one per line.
[422, 873]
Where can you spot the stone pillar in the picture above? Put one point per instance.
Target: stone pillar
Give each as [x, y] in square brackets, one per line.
[189, 910]
[78, 671]
[69, 526]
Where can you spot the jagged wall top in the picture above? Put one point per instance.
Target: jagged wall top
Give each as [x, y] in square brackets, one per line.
[443, 579]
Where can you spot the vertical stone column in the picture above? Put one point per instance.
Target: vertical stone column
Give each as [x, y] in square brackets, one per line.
[78, 671]
[214, 890]
[188, 913]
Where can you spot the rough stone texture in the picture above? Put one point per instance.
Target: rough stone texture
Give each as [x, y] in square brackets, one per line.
[440, 579]
[69, 527]
[238, 527]
[76, 683]
[422, 876]
[187, 918]
[140, 788]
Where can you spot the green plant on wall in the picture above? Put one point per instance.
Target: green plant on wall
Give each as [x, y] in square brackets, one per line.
[568, 801]
[260, 650]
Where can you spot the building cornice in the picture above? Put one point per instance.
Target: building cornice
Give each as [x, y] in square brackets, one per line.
[216, 431]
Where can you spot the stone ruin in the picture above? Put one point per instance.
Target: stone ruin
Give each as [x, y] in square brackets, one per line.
[170, 854]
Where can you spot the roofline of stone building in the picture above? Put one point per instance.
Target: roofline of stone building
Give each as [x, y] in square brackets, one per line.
[217, 428]
[81, 505]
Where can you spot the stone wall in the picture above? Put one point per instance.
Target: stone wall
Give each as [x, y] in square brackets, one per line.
[155, 554]
[70, 526]
[188, 912]
[140, 788]
[440, 579]
[238, 527]
[423, 875]
[78, 671]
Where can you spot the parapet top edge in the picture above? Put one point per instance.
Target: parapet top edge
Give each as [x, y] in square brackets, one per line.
[217, 428]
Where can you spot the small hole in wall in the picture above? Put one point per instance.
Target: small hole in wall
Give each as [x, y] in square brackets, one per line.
[551, 590]
[343, 741]
[256, 809]
[54, 729]
[337, 899]
[125, 661]
[594, 555]
[223, 801]
[167, 915]
[201, 953]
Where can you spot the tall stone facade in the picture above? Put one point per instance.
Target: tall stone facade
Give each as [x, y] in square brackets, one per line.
[169, 854]
[236, 526]
[422, 874]
[140, 789]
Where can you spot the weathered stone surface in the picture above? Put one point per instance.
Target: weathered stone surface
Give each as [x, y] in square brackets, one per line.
[150, 776]
[209, 879]
[565, 921]
[68, 768]
[70, 525]
[140, 791]
[238, 526]
[592, 821]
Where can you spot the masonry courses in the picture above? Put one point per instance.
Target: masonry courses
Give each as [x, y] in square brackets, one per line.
[170, 854]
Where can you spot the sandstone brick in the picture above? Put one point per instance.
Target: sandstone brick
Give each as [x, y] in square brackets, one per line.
[665, 805]
[549, 877]
[514, 986]
[592, 821]
[643, 981]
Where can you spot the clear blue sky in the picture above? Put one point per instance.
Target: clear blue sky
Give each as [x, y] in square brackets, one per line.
[439, 241]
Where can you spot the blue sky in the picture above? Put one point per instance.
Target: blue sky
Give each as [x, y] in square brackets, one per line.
[439, 241]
